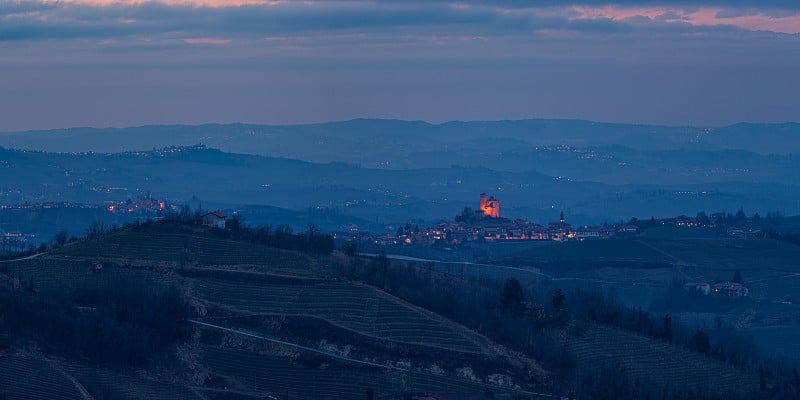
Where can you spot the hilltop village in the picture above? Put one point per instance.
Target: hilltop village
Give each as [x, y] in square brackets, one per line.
[486, 224]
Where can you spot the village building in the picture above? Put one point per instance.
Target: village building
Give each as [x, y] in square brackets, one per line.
[490, 206]
[214, 219]
[730, 289]
[698, 287]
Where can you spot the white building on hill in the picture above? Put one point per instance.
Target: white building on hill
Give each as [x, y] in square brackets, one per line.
[214, 219]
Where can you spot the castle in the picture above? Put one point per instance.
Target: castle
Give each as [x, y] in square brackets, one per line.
[490, 207]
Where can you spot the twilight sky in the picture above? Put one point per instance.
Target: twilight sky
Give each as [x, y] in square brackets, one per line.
[120, 63]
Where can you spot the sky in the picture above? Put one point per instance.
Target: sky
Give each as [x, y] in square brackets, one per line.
[98, 63]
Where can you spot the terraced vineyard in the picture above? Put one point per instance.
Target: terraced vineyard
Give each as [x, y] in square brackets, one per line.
[267, 375]
[777, 287]
[652, 360]
[118, 386]
[352, 306]
[51, 273]
[188, 248]
[26, 376]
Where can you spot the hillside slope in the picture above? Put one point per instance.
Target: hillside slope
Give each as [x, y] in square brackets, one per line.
[281, 294]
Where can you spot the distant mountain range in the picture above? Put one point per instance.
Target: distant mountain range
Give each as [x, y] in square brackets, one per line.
[387, 143]
[338, 191]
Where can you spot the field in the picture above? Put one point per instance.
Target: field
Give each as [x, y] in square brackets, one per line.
[190, 249]
[590, 250]
[351, 306]
[777, 341]
[251, 285]
[127, 387]
[266, 375]
[28, 376]
[651, 360]
[52, 273]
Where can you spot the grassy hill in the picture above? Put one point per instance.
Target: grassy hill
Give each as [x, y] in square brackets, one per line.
[29, 376]
[281, 314]
[649, 361]
[643, 272]
[245, 285]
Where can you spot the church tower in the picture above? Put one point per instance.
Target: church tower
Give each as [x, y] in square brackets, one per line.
[490, 207]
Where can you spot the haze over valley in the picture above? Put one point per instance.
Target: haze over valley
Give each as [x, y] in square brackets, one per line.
[386, 172]
[385, 200]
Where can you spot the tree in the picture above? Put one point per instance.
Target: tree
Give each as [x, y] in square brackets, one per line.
[513, 296]
[701, 342]
[60, 239]
[95, 229]
[702, 219]
[383, 263]
[558, 299]
[775, 216]
[466, 214]
[235, 224]
[737, 277]
[667, 334]
[351, 249]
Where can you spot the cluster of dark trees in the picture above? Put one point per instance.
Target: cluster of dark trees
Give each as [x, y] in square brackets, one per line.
[786, 237]
[311, 240]
[527, 319]
[119, 324]
[720, 219]
[726, 345]
[283, 237]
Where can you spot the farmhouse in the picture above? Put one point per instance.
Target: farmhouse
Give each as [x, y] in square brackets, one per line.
[730, 289]
[700, 287]
[214, 219]
[629, 229]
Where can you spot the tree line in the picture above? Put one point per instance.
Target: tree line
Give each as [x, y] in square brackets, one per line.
[118, 324]
[529, 319]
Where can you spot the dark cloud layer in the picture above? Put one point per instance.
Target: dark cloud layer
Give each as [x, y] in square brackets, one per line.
[21, 20]
[67, 64]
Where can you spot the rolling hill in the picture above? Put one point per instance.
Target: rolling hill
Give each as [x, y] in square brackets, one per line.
[284, 323]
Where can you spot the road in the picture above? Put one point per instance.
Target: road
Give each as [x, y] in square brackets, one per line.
[30, 257]
[507, 268]
[297, 346]
[351, 360]
[425, 260]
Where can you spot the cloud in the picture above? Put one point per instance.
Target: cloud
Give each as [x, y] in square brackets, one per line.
[255, 19]
[299, 60]
[789, 4]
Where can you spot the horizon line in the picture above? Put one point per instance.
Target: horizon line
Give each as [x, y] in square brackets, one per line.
[331, 122]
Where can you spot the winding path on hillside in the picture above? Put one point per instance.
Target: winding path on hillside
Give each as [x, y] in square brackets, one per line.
[352, 360]
[30, 257]
[508, 268]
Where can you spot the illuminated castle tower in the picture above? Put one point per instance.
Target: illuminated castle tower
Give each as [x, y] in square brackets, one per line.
[490, 207]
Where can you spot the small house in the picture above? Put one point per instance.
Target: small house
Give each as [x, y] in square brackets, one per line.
[730, 289]
[698, 287]
[214, 219]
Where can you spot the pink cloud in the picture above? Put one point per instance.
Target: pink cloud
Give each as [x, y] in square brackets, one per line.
[756, 22]
[707, 16]
[198, 3]
[217, 41]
